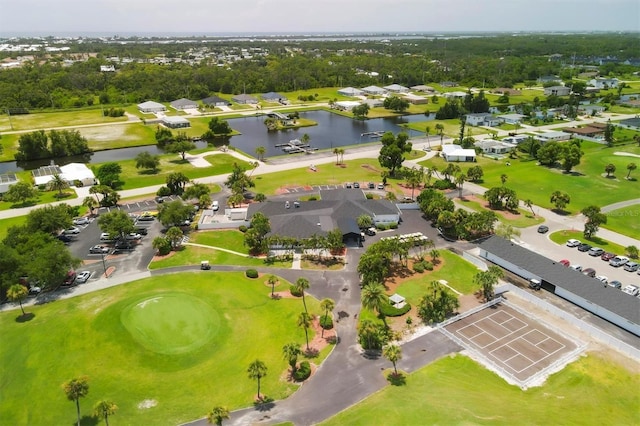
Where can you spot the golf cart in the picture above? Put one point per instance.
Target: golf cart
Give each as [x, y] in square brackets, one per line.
[204, 265]
[535, 284]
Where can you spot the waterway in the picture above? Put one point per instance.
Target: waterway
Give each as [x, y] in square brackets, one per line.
[331, 131]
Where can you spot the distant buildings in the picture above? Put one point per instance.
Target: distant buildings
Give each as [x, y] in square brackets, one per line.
[151, 107]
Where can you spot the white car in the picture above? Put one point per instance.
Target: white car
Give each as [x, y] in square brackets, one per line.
[80, 221]
[73, 230]
[215, 205]
[631, 289]
[105, 237]
[573, 243]
[618, 261]
[575, 267]
[83, 277]
[133, 236]
[602, 279]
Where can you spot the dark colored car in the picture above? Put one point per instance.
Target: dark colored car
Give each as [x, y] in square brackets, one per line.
[590, 272]
[356, 185]
[584, 247]
[146, 218]
[64, 238]
[141, 230]
[543, 229]
[372, 185]
[607, 256]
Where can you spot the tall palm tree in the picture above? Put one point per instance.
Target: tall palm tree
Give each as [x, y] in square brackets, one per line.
[440, 129]
[57, 183]
[326, 305]
[341, 152]
[17, 293]
[260, 151]
[304, 321]
[394, 354]
[336, 151]
[272, 280]
[291, 351]
[256, 371]
[76, 389]
[529, 204]
[373, 297]
[427, 130]
[104, 409]
[217, 415]
[90, 203]
[301, 285]
[460, 179]
[503, 178]
[631, 167]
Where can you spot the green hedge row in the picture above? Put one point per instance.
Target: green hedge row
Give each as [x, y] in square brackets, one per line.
[303, 372]
[389, 311]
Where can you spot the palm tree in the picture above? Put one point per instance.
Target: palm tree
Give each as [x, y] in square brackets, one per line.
[610, 168]
[95, 190]
[301, 285]
[57, 183]
[217, 415]
[90, 203]
[291, 351]
[17, 293]
[631, 167]
[440, 129]
[260, 151]
[373, 297]
[76, 389]
[326, 305]
[272, 280]
[427, 130]
[435, 254]
[394, 354]
[105, 408]
[503, 179]
[341, 152]
[413, 179]
[529, 204]
[460, 178]
[304, 321]
[336, 151]
[257, 370]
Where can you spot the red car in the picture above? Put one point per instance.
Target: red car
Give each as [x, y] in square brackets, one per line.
[607, 256]
[565, 262]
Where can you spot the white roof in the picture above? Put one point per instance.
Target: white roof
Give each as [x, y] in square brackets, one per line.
[396, 298]
[347, 104]
[71, 172]
[150, 104]
[457, 151]
[412, 96]
[396, 87]
[174, 120]
[350, 91]
[374, 89]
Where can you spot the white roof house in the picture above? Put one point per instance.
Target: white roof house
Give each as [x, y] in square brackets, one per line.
[457, 153]
[175, 122]
[72, 172]
[151, 106]
[346, 105]
[6, 180]
[552, 136]
[374, 90]
[490, 146]
[455, 95]
[350, 91]
[415, 99]
[511, 118]
[396, 88]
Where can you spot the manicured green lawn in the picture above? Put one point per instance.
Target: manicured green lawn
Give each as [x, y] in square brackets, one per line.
[44, 197]
[625, 221]
[455, 270]
[193, 255]
[561, 237]
[451, 128]
[182, 340]
[523, 220]
[456, 390]
[229, 239]
[55, 119]
[5, 224]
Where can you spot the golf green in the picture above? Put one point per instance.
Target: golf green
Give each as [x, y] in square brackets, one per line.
[171, 323]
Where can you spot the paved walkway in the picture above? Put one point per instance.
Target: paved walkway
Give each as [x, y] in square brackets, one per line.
[217, 248]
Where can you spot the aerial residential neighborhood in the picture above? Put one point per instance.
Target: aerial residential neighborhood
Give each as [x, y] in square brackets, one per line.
[319, 227]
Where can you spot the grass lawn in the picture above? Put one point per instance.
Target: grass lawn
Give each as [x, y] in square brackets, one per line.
[45, 120]
[455, 270]
[561, 237]
[132, 350]
[625, 221]
[5, 224]
[193, 255]
[523, 220]
[457, 390]
[44, 197]
[229, 239]
[451, 128]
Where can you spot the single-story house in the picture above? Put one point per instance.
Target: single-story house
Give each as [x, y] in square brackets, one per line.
[374, 90]
[373, 103]
[151, 107]
[482, 119]
[515, 140]
[490, 146]
[338, 208]
[423, 88]
[350, 91]
[584, 131]
[590, 294]
[556, 136]
[244, 99]
[345, 105]
[604, 83]
[549, 79]
[452, 152]
[455, 95]
[71, 173]
[274, 97]
[415, 99]
[6, 180]
[511, 118]
[396, 88]
[215, 101]
[175, 122]
[632, 123]
[448, 83]
[557, 91]
[183, 103]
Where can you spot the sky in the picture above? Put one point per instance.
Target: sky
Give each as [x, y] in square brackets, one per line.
[195, 17]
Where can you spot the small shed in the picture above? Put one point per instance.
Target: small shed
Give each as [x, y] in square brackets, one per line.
[397, 301]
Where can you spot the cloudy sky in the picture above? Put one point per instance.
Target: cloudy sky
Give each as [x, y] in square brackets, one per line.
[288, 16]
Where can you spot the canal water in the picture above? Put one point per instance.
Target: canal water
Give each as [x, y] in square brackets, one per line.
[332, 131]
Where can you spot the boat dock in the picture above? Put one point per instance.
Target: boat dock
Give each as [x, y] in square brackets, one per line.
[295, 146]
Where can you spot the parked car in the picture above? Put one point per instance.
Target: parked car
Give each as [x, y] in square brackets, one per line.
[543, 229]
[573, 243]
[72, 231]
[215, 206]
[99, 250]
[83, 277]
[602, 279]
[631, 289]
[142, 230]
[381, 186]
[69, 279]
[576, 267]
[607, 256]
[34, 290]
[584, 247]
[615, 284]
[64, 238]
[565, 262]
[370, 231]
[159, 199]
[618, 261]
[595, 251]
[146, 218]
[590, 272]
[356, 185]
[372, 185]
[105, 237]
[80, 221]
[631, 266]
[348, 185]
[122, 245]
[535, 284]
[133, 236]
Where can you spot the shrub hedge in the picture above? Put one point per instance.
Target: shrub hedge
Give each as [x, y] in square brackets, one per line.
[251, 273]
[294, 291]
[389, 311]
[326, 322]
[303, 372]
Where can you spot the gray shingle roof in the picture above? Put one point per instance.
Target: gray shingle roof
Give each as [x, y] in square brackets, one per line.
[551, 271]
[213, 100]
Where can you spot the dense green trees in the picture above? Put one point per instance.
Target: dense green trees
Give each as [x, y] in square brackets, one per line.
[255, 237]
[174, 213]
[116, 223]
[59, 143]
[393, 150]
[595, 218]
[21, 193]
[396, 104]
[145, 160]
[437, 304]
[109, 174]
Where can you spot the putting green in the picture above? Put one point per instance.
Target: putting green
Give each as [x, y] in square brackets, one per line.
[171, 323]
